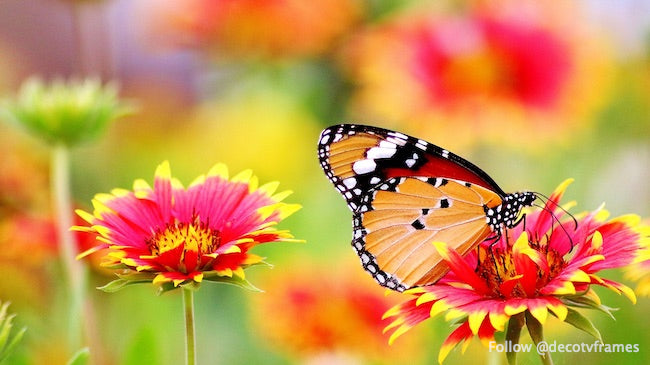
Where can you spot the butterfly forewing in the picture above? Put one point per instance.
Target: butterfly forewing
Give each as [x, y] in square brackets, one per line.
[356, 158]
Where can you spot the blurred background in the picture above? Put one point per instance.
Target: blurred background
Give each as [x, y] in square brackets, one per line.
[533, 92]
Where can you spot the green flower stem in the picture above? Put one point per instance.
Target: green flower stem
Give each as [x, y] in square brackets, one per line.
[190, 340]
[74, 270]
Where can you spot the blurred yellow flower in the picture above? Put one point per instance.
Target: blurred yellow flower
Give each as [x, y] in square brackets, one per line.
[265, 130]
[516, 76]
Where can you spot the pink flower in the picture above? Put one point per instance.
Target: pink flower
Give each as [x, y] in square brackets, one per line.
[176, 236]
[545, 267]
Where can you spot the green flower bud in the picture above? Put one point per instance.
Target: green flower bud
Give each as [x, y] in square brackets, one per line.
[65, 112]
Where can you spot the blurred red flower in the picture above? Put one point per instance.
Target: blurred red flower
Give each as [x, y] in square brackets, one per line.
[27, 245]
[326, 314]
[484, 73]
[266, 28]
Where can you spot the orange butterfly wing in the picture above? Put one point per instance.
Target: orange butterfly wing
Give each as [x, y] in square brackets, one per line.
[401, 218]
[406, 193]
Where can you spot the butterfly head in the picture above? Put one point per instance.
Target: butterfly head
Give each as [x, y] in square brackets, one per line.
[527, 198]
[506, 215]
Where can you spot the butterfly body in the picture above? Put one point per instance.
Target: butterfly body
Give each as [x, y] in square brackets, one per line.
[406, 193]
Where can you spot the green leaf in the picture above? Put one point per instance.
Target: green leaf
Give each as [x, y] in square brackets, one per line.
[3, 311]
[534, 328]
[583, 323]
[513, 333]
[536, 332]
[80, 357]
[165, 287]
[137, 276]
[6, 326]
[5, 329]
[261, 263]
[234, 280]
[119, 284]
[7, 350]
[586, 302]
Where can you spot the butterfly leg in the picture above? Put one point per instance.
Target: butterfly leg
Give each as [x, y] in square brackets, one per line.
[503, 262]
[520, 220]
[494, 240]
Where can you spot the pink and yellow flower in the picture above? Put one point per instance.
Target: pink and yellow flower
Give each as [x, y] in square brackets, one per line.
[175, 236]
[504, 76]
[640, 271]
[546, 267]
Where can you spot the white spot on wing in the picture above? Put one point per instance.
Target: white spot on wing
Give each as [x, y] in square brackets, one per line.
[350, 182]
[397, 141]
[380, 152]
[364, 166]
[386, 144]
[325, 139]
[398, 135]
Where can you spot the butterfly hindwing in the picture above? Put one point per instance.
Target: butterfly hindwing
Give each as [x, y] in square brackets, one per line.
[400, 217]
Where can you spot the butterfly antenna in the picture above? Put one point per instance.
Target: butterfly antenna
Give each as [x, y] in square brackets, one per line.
[575, 221]
[547, 200]
[556, 219]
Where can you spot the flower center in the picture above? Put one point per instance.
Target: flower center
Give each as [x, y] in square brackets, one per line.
[195, 236]
[515, 275]
[479, 74]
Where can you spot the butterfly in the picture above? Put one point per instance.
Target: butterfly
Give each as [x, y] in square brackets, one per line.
[405, 193]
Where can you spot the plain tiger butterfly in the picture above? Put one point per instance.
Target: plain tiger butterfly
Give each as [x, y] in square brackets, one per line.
[406, 193]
